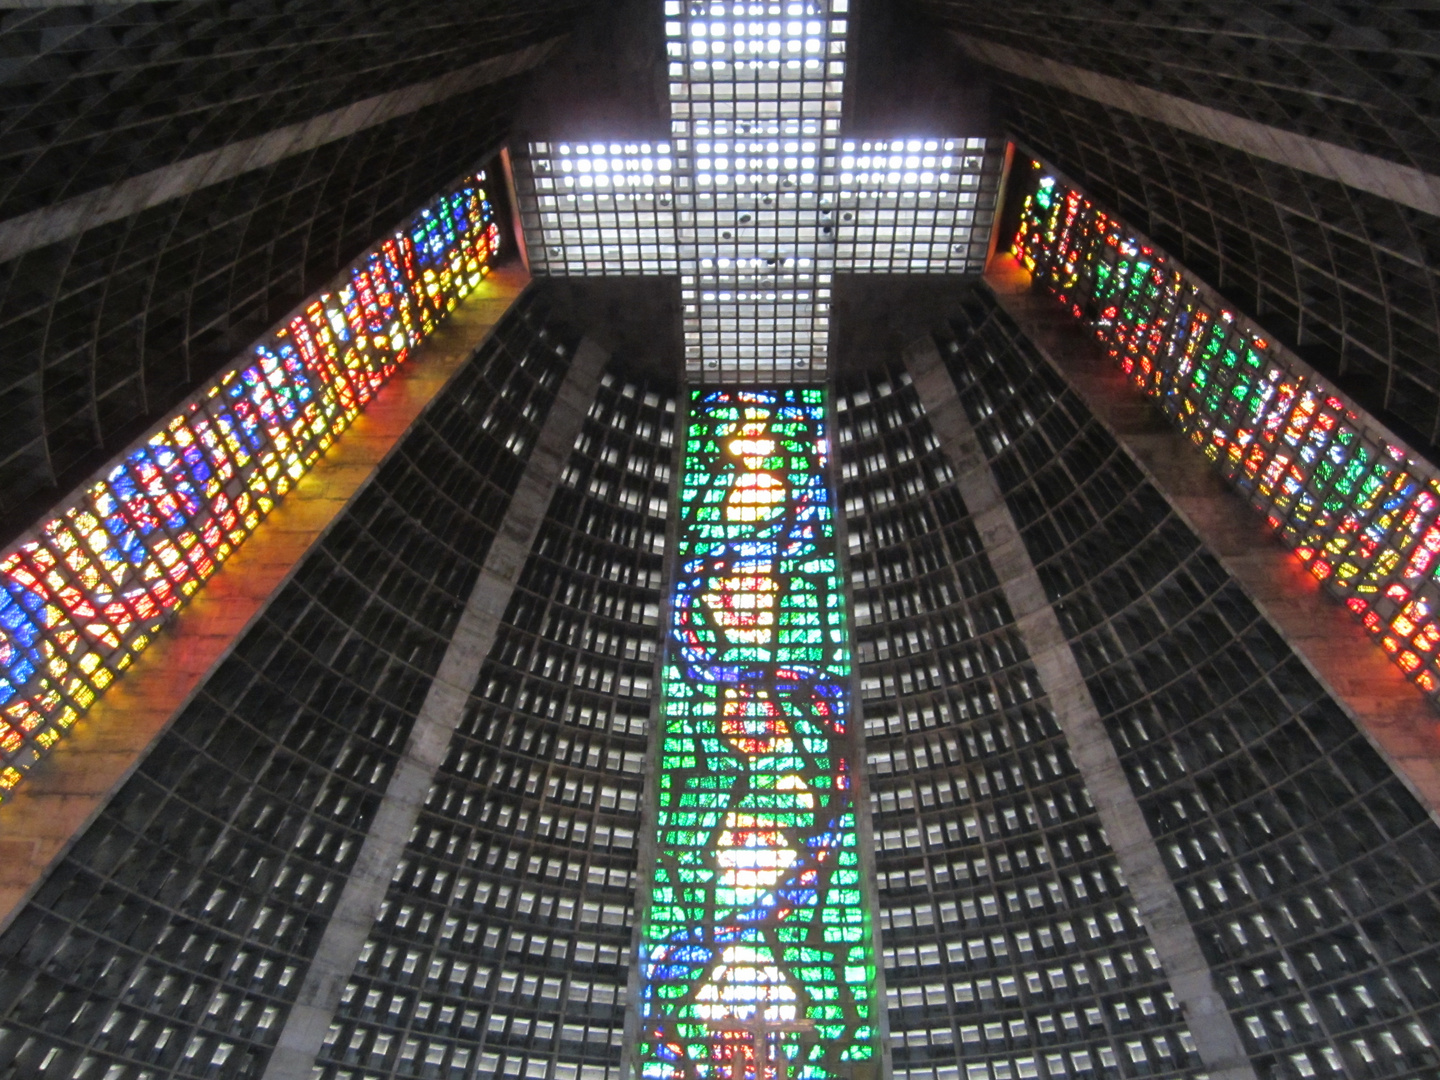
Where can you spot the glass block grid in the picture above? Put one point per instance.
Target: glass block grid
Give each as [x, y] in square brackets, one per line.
[226, 852]
[599, 208]
[757, 945]
[503, 946]
[908, 206]
[756, 90]
[755, 202]
[1012, 946]
[1304, 865]
[1355, 505]
[89, 588]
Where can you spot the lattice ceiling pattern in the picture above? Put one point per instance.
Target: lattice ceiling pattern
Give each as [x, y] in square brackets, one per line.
[758, 200]
[95, 94]
[1358, 75]
[106, 329]
[1344, 277]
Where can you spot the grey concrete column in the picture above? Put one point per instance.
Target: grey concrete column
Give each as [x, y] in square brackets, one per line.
[309, 1018]
[1094, 754]
[1389, 710]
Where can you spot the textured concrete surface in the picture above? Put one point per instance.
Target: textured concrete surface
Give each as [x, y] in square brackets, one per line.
[359, 903]
[112, 202]
[1390, 180]
[1386, 706]
[1094, 754]
[65, 790]
[39, 5]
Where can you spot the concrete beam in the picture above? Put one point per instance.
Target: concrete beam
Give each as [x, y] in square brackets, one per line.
[359, 904]
[70, 217]
[1387, 708]
[1403, 184]
[44, 5]
[1094, 754]
[64, 791]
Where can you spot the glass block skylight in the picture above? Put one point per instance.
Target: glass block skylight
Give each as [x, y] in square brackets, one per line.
[758, 199]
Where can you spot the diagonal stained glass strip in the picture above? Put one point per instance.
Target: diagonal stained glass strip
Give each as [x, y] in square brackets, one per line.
[87, 590]
[758, 956]
[1360, 510]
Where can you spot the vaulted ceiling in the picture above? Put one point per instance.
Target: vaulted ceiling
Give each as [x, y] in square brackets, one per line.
[116, 300]
[1219, 128]
[177, 176]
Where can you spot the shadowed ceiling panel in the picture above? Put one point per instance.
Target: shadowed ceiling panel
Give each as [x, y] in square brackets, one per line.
[1359, 75]
[1345, 277]
[107, 328]
[91, 95]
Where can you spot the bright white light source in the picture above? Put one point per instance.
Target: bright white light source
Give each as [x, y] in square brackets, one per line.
[774, 203]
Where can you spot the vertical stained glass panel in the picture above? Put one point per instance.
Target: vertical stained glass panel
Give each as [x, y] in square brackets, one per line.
[758, 958]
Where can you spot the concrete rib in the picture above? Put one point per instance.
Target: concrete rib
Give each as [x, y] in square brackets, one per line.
[1403, 184]
[310, 1017]
[70, 217]
[1094, 754]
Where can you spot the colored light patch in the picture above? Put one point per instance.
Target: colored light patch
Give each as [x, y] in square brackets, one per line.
[1361, 514]
[773, 864]
[167, 515]
[753, 725]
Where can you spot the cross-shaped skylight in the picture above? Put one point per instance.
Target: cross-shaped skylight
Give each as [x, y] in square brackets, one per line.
[757, 200]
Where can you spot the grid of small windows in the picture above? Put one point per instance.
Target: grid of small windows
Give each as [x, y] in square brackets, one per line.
[502, 949]
[1339, 72]
[1359, 509]
[755, 93]
[746, 202]
[1310, 873]
[1012, 948]
[916, 206]
[599, 208]
[755, 202]
[86, 591]
[106, 330]
[208, 76]
[171, 940]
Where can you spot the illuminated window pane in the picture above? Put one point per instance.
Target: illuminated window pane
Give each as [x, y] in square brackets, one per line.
[87, 591]
[1359, 510]
[757, 944]
[756, 202]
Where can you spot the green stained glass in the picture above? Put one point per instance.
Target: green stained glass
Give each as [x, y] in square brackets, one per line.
[769, 943]
[1347, 501]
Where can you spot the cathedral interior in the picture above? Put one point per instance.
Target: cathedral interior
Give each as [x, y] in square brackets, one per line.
[719, 540]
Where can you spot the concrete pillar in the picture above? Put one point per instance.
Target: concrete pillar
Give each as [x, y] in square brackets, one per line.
[1094, 754]
[65, 791]
[1360, 677]
[355, 912]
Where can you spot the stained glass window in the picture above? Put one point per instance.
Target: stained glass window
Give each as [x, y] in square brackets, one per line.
[758, 956]
[1357, 507]
[87, 591]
